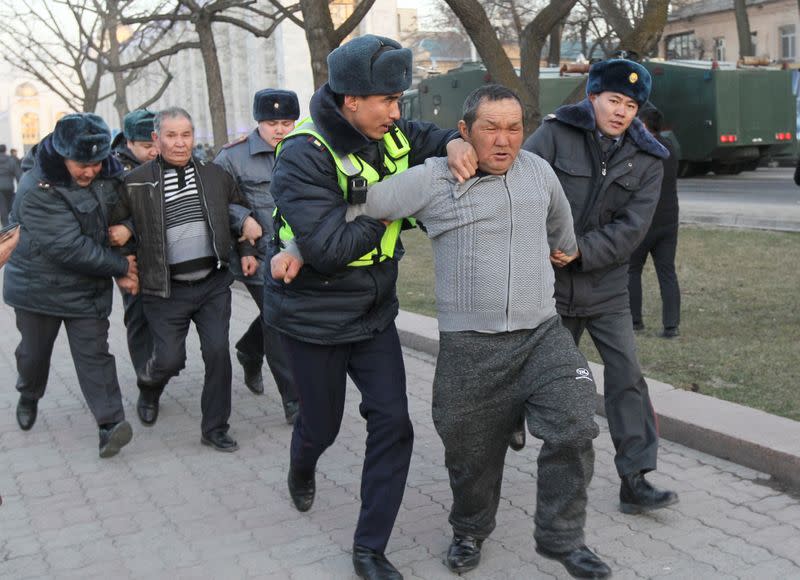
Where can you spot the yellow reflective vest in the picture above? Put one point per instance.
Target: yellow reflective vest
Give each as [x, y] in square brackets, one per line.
[396, 150]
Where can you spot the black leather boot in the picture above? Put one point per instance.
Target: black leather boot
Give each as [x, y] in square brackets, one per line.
[636, 495]
[373, 565]
[113, 437]
[302, 488]
[291, 409]
[252, 373]
[580, 563]
[27, 410]
[517, 441]
[147, 406]
[464, 554]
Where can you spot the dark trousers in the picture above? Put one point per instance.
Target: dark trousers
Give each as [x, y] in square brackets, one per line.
[207, 303]
[376, 367]
[261, 340]
[6, 201]
[140, 341]
[482, 384]
[661, 243]
[630, 414]
[94, 364]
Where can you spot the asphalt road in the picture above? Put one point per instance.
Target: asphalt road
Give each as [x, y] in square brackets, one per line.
[766, 199]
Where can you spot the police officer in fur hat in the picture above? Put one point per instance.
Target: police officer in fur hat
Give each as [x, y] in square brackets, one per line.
[610, 168]
[337, 317]
[133, 147]
[250, 161]
[62, 268]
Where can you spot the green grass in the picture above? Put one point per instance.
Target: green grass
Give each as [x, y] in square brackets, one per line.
[740, 315]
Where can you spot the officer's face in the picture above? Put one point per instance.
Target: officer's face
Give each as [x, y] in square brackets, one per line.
[496, 134]
[613, 112]
[273, 131]
[175, 140]
[144, 151]
[372, 115]
[82, 173]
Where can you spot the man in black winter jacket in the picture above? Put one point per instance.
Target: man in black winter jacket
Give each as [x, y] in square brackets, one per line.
[185, 213]
[337, 316]
[10, 173]
[610, 168]
[61, 271]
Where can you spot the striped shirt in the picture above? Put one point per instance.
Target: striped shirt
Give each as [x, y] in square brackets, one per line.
[190, 252]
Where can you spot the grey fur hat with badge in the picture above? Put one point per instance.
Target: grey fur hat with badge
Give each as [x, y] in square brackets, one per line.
[275, 105]
[619, 75]
[82, 137]
[370, 65]
[138, 125]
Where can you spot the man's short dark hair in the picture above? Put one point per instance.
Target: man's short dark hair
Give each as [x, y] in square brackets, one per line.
[2, 148]
[652, 118]
[486, 93]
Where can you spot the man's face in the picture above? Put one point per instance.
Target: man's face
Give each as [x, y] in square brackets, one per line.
[613, 112]
[175, 140]
[496, 134]
[273, 131]
[144, 151]
[83, 173]
[372, 115]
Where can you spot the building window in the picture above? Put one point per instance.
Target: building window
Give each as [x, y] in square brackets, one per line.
[681, 46]
[719, 48]
[788, 46]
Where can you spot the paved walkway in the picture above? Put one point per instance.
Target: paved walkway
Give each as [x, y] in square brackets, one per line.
[167, 507]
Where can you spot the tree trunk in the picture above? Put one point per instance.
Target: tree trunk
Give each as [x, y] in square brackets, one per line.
[743, 29]
[120, 86]
[319, 32]
[532, 42]
[554, 51]
[216, 95]
[644, 36]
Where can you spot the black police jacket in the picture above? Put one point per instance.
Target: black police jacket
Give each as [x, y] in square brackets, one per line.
[611, 211]
[330, 302]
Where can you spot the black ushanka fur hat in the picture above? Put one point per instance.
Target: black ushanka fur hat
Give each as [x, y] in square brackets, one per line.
[619, 75]
[138, 125]
[82, 137]
[369, 65]
[275, 105]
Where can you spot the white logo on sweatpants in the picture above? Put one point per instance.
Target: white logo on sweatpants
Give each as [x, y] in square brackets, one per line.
[582, 374]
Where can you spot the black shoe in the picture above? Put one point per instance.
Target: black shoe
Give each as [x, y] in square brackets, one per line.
[580, 563]
[26, 412]
[636, 495]
[147, 406]
[302, 489]
[669, 333]
[373, 565]
[252, 373]
[291, 409]
[637, 326]
[464, 554]
[517, 441]
[220, 441]
[113, 437]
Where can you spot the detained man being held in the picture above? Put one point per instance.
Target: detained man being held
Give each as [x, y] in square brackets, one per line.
[503, 351]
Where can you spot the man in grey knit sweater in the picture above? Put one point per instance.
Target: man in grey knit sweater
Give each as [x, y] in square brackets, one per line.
[502, 348]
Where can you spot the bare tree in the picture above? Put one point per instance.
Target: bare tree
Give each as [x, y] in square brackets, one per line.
[636, 33]
[532, 39]
[743, 29]
[201, 15]
[322, 35]
[51, 42]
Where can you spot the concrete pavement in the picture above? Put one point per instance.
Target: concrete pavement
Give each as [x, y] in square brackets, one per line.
[167, 507]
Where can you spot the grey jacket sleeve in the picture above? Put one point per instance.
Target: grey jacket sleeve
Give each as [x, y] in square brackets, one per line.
[560, 231]
[403, 195]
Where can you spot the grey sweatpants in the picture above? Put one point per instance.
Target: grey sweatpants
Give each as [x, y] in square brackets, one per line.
[483, 383]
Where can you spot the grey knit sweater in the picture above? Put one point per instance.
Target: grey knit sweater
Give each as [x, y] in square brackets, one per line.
[492, 237]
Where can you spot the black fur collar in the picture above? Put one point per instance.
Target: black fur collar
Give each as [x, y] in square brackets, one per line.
[581, 116]
[51, 165]
[336, 130]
